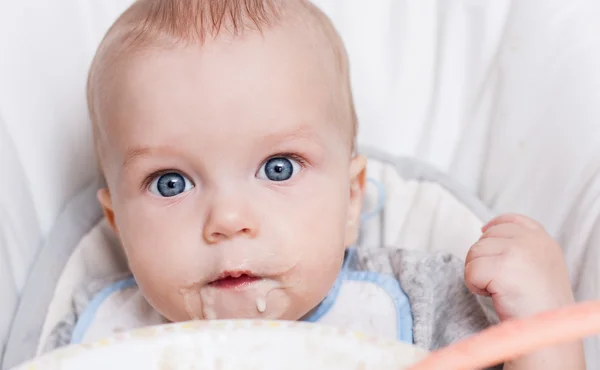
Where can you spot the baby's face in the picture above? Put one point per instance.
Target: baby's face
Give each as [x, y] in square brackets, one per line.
[232, 185]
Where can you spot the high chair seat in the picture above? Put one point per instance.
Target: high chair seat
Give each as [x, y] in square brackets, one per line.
[408, 204]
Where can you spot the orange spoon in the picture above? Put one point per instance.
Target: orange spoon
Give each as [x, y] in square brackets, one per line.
[512, 339]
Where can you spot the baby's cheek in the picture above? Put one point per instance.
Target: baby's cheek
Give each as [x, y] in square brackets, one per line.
[320, 242]
[162, 261]
[161, 283]
[169, 301]
[325, 224]
[161, 242]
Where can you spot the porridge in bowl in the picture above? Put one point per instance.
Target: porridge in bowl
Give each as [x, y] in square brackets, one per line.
[233, 345]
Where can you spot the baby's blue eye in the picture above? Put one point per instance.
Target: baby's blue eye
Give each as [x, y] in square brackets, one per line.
[278, 169]
[170, 185]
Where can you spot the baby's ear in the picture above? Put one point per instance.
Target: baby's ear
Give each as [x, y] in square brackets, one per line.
[106, 203]
[358, 169]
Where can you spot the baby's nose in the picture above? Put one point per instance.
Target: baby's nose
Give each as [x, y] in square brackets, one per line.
[228, 219]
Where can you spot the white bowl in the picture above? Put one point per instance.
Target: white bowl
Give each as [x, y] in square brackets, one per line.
[233, 345]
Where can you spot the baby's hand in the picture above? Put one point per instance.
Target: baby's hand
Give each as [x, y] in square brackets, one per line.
[520, 266]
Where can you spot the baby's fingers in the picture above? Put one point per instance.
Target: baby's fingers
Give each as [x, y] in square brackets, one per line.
[479, 274]
[504, 231]
[485, 248]
[513, 218]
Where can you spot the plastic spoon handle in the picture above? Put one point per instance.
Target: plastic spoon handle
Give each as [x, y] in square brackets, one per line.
[513, 339]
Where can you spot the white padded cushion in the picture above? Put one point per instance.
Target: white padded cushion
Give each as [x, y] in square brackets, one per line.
[18, 227]
[76, 220]
[98, 255]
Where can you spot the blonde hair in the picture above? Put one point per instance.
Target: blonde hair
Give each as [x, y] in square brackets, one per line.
[149, 23]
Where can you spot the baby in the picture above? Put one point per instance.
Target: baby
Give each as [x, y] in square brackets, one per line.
[225, 131]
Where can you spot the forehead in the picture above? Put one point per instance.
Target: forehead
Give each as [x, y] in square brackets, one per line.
[256, 85]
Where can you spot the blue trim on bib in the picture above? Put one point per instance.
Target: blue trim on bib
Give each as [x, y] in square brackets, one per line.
[86, 318]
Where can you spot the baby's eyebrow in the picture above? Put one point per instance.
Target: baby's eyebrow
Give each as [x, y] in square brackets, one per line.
[300, 132]
[132, 155]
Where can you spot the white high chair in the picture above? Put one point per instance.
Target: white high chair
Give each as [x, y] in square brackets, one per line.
[502, 96]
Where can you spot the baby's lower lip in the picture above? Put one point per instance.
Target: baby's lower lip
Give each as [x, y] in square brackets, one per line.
[237, 282]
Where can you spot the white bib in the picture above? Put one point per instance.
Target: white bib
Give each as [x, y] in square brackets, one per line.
[363, 301]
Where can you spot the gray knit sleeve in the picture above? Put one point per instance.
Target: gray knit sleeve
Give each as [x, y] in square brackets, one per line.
[444, 310]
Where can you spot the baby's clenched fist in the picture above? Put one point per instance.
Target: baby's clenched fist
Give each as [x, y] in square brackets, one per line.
[520, 266]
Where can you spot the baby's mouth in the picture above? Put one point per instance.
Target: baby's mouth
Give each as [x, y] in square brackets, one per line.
[234, 279]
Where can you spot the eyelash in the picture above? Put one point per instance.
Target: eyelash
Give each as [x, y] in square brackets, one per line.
[296, 157]
[154, 175]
